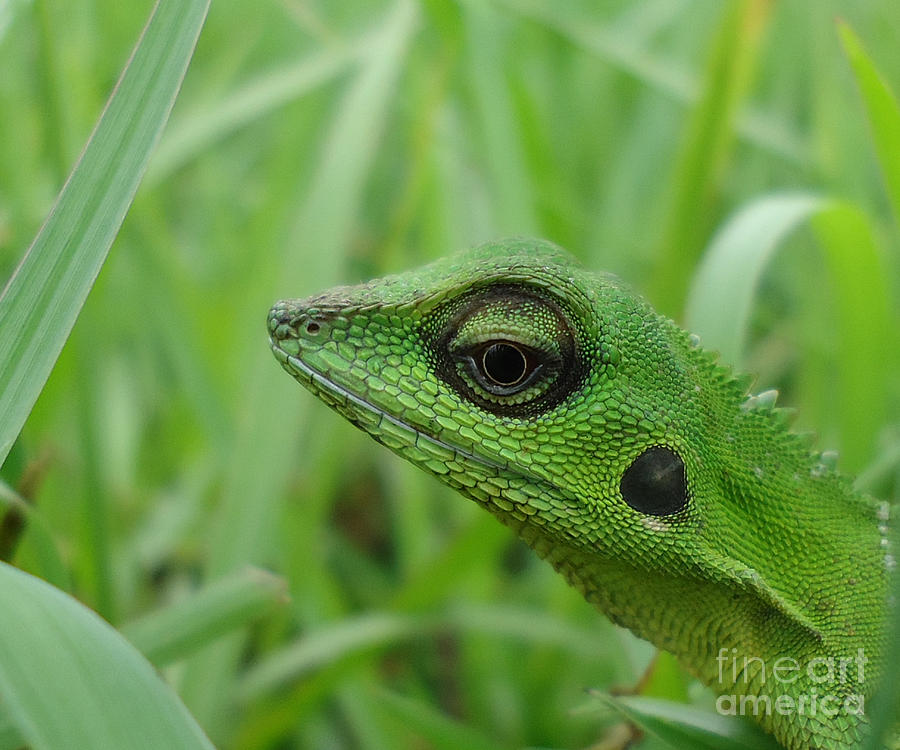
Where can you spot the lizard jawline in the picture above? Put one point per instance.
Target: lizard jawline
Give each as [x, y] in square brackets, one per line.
[322, 382]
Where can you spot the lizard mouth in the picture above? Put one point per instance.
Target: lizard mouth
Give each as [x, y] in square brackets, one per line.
[349, 404]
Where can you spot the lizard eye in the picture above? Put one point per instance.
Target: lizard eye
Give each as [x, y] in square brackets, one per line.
[509, 350]
[503, 367]
[655, 483]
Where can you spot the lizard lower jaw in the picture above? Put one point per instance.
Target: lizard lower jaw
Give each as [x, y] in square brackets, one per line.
[354, 407]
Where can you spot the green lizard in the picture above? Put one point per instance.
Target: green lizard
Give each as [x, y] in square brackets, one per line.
[629, 459]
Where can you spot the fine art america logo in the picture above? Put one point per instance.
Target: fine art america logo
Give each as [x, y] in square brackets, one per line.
[835, 685]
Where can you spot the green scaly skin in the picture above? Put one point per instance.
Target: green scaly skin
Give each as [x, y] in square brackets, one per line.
[737, 542]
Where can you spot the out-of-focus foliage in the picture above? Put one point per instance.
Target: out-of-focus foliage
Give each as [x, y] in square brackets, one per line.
[315, 143]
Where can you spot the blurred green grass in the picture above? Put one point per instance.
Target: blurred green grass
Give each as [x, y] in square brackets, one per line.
[318, 143]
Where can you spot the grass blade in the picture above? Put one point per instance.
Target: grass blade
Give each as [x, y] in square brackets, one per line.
[172, 633]
[497, 121]
[882, 110]
[430, 727]
[40, 303]
[620, 50]
[725, 283]
[327, 646]
[866, 330]
[706, 149]
[191, 135]
[67, 679]
[724, 287]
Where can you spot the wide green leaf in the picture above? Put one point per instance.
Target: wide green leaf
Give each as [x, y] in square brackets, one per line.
[40, 303]
[68, 679]
[682, 726]
[10, 737]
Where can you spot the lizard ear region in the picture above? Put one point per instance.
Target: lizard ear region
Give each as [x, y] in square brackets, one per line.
[656, 483]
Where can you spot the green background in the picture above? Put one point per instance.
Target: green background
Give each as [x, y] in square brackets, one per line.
[316, 143]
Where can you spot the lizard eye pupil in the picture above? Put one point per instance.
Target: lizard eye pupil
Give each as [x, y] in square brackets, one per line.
[504, 364]
[655, 483]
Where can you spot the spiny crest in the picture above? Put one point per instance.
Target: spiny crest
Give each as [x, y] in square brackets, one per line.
[763, 401]
[781, 418]
[718, 371]
[784, 416]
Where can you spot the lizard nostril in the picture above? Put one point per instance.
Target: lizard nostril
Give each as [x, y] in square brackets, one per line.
[312, 328]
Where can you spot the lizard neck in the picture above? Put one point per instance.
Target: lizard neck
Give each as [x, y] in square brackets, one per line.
[809, 688]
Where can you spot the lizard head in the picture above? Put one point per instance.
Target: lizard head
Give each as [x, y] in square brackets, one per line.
[548, 394]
